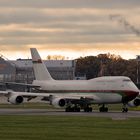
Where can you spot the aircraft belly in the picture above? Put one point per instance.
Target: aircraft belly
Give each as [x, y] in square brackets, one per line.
[108, 98]
[95, 98]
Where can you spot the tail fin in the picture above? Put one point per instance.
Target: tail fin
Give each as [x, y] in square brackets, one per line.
[40, 70]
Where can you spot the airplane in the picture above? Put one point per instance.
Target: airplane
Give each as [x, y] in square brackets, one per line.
[74, 95]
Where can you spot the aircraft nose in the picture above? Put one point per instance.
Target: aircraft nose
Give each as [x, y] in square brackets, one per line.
[130, 95]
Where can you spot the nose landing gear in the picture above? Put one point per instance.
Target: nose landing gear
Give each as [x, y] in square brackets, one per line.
[124, 109]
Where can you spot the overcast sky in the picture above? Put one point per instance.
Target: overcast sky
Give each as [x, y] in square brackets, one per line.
[69, 27]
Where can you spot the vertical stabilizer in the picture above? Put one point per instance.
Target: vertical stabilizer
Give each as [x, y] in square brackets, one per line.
[40, 70]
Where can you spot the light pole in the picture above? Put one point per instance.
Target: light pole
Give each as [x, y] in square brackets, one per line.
[138, 59]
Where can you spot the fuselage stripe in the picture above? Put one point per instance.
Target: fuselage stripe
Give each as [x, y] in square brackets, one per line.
[122, 92]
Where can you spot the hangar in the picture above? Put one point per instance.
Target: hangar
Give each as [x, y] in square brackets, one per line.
[21, 70]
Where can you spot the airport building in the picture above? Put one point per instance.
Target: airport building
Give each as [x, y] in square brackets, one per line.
[21, 70]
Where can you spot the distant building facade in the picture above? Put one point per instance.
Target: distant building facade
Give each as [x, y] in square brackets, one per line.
[7, 70]
[21, 70]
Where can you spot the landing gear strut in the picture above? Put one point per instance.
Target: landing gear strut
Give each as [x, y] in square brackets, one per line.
[103, 109]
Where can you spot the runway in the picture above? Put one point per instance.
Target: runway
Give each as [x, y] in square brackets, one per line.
[115, 115]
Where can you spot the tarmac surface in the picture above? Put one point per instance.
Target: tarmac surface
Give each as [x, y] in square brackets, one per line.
[115, 115]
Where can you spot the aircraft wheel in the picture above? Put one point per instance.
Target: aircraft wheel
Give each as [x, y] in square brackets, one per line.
[69, 109]
[103, 109]
[72, 109]
[88, 109]
[124, 110]
[106, 109]
[76, 109]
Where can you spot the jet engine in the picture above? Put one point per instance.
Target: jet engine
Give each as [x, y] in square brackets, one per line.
[58, 102]
[134, 103]
[15, 99]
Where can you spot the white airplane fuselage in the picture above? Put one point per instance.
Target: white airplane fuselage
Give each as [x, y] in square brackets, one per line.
[101, 90]
[107, 89]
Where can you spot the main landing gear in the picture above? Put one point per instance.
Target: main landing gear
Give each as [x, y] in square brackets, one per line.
[88, 109]
[103, 108]
[72, 109]
[77, 108]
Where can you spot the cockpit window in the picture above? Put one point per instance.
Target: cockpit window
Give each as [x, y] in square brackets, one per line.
[127, 80]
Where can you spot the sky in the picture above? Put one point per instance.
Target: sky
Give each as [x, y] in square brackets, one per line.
[71, 28]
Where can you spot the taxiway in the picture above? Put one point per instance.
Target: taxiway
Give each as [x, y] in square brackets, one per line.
[115, 115]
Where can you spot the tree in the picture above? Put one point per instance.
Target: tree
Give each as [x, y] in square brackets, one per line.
[106, 65]
[55, 57]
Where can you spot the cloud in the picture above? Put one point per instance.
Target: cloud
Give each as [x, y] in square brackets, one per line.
[70, 3]
[67, 25]
[126, 50]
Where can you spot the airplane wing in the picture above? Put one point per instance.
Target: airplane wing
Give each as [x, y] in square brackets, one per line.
[19, 84]
[26, 87]
[73, 98]
[18, 97]
[24, 94]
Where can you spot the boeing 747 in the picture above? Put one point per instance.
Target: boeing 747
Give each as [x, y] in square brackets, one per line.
[74, 95]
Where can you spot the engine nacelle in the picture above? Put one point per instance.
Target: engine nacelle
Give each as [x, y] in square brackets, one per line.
[58, 102]
[15, 99]
[134, 103]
